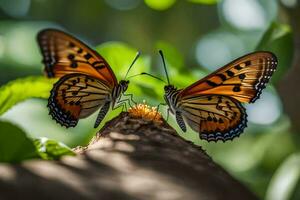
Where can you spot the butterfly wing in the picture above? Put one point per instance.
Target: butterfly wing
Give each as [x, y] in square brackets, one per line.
[77, 96]
[242, 79]
[63, 54]
[214, 117]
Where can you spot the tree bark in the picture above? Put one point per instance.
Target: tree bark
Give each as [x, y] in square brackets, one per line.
[130, 158]
[289, 85]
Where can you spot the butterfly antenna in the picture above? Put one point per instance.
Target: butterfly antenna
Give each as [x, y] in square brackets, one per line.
[163, 59]
[136, 57]
[145, 73]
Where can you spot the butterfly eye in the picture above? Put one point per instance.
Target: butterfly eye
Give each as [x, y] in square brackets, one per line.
[168, 88]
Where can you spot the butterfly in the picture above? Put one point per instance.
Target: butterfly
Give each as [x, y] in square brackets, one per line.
[86, 82]
[212, 106]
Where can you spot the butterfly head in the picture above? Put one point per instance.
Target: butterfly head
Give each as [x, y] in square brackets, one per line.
[124, 85]
[169, 89]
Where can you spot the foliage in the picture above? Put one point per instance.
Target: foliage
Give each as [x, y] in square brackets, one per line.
[209, 2]
[165, 4]
[15, 146]
[22, 89]
[279, 40]
[284, 183]
[51, 149]
[160, 5]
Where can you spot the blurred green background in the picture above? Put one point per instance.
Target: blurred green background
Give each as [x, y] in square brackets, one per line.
[197, 37]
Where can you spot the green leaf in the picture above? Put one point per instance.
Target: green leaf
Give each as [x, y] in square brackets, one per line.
[159, 4]
[120, 56]
[15, 146]
[171, 54]
[51, 149]
[22, 89]
[208, 2]
[279, 40]
[284, 182]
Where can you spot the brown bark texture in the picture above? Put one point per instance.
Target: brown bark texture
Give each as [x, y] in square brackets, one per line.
[289, 86]
[130, 158]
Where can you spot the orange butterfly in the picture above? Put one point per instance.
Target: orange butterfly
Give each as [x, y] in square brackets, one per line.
[212, 106]
[86, 82]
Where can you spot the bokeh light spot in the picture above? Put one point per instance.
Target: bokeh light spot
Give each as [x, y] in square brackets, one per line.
[123, 4]
[15, 8]
[244, 14]
[160, 4]
[265, 110]
[217, 49]
[2, 46]
[289, 3]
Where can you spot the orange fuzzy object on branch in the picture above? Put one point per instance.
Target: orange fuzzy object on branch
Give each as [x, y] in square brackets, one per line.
[146, 112]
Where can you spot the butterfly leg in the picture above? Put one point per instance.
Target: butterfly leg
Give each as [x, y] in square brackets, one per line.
[130, 99]
[102, 114]
[168, 113]
[120, 103]
[157, 108]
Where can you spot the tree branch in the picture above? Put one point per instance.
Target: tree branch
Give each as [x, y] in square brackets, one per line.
[130, 158]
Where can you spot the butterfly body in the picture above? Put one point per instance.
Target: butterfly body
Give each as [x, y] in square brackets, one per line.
[86, 81]
[171, 96]
[212, 106]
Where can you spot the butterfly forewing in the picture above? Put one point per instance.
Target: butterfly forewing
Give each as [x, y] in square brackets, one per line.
[242, 79]
[64, 54]
[215, 117]
[77, 96]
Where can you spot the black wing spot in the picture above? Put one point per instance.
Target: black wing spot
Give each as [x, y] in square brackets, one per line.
[210, 83]
[222, 76]
[74, 65]
[247, 63]
[236, 89]
[71, 44]
[71, 56]
[79, 50]
[238, 67]
[209, 118]
[230, 73]
[87, 56]
[242, 76]
[74, 82]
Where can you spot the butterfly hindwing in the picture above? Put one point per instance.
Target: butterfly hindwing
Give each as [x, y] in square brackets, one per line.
[63, 54]
[214, 117]
[242, 79]
[77, 96]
